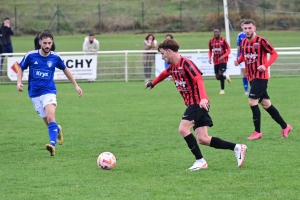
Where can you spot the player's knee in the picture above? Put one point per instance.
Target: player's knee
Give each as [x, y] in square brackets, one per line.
[183, 131]
[50, 118]
[204, 140]
[217, 77]
[265, 103]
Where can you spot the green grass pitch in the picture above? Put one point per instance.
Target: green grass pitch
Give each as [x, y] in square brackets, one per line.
[140, 128]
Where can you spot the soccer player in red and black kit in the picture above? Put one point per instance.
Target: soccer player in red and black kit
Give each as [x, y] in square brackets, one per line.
[219, 48]
[254, 51]
[189, 83]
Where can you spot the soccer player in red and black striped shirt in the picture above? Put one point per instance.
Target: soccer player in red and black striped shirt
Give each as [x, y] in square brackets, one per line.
[220, 49]
[254, 50]
[189, 83]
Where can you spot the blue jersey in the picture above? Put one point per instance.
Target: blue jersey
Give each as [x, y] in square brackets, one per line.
[41, 72]
[239, 39]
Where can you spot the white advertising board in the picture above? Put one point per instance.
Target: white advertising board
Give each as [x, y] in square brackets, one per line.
[82, 67]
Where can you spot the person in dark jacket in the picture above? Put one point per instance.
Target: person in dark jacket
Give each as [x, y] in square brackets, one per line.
[5, 32]
[37, 45]
[1, 48]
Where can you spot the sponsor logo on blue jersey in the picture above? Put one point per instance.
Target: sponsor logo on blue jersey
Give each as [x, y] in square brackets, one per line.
[44, 74]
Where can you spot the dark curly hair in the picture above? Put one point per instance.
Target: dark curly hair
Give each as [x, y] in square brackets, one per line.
[46, 34]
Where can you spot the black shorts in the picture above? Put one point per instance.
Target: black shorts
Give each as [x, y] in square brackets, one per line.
[259, 89]
[199, 116]
[220, 67]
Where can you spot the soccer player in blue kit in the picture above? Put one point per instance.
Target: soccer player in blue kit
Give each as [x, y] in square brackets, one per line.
[41, 85]
[239, 39]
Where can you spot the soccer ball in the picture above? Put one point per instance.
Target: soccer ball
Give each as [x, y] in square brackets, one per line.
[106, 160]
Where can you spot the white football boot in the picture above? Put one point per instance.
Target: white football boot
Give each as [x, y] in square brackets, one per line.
[199, 164]
[240, 153]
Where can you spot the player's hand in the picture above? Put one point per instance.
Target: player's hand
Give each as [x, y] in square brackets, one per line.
[261, 68]
[221, 58]
[204, 103]
[20, 87]
[149, 85]
[236, 63]
[79, 90]
[209, 61]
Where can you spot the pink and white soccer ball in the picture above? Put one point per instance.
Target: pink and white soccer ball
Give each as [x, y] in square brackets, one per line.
[106, 160]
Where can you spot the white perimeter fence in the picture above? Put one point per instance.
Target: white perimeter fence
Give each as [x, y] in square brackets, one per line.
[128, 65]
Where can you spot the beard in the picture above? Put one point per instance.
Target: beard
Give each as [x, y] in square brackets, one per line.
[46, 50]
[250, 36]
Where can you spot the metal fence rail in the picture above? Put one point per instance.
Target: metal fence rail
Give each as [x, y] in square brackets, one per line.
[128, 66]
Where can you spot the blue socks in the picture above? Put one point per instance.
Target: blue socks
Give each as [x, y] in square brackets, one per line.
[245, 83]
[53, 132]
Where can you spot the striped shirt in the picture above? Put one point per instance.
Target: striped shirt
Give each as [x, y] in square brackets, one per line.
[254, 53]
[188, 80]
[218, 47]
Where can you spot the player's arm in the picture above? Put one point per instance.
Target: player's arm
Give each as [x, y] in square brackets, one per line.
[69, 75]
[19, 80]
[161, 77]
[209, 52]
[228, 50]
[23, 65]
[270, 49]
[204, 102]
[239, 60]
[237, 52]
[238, 44]
[273, 58]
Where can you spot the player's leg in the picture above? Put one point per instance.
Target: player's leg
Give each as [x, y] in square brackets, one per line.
[258, 87]
[1, 64]
[149, 69]
[145, 63]
[223, 68]
[202, 123]
[274, 113]
[38, 106]
[222, 81]
[49, 104]
[185, 130]
[216, 68]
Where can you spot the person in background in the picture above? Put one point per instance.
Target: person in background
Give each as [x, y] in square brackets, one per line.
[90, 46]
[148, 58]
[168, 36]
[190, 84]
[254, 50]
[240, 37]
[6, 31]
[220, 49]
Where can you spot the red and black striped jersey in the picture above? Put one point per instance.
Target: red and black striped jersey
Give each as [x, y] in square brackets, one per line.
[254, 53]
[218, 47]
[188, 80]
